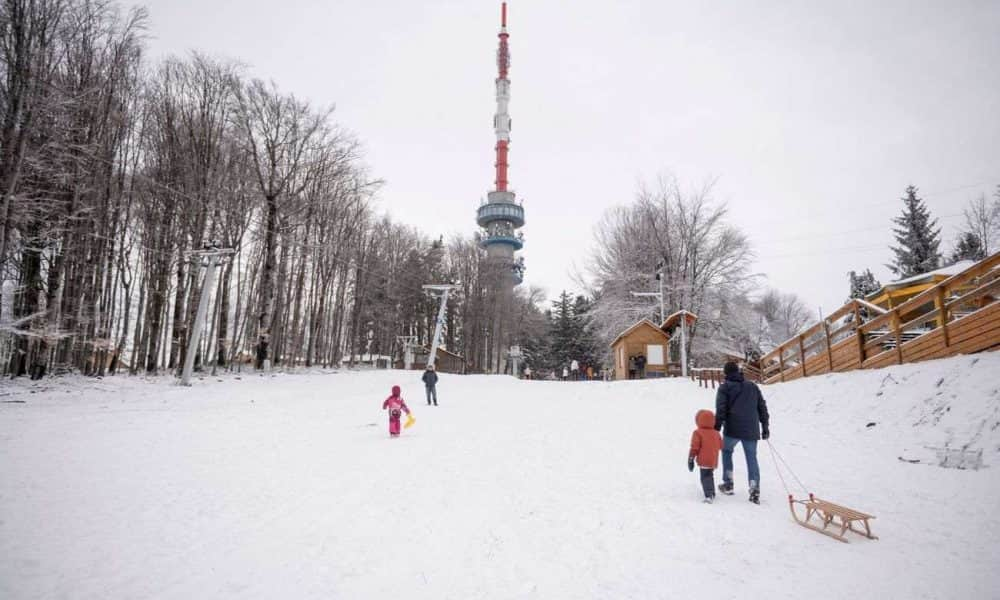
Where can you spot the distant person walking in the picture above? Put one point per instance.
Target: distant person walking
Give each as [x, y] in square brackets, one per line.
[565, 373]
[631, 367]
[640, 366]
[574, 368]
[741, 415]
[430, 380]
[527, 372]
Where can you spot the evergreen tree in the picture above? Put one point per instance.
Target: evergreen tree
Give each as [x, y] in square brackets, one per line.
[863, 285]
[585, 342]
[918, 241]
[969, 247]
[562, 333]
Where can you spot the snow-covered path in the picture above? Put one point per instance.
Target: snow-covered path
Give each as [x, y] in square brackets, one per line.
[289, 487]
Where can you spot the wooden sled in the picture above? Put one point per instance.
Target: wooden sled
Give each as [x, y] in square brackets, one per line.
[828, 513]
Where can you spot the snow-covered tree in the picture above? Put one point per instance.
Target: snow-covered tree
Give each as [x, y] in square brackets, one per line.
[862, 285]
[982, 221]
[684, 235]
[968, 247]
[917, 237]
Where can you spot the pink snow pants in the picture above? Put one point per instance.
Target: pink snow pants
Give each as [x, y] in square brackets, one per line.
[394, 422]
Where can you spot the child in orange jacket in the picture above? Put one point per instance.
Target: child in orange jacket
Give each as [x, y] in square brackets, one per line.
[705, 446]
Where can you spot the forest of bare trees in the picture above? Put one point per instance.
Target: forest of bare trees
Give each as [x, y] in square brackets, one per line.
[115, 172]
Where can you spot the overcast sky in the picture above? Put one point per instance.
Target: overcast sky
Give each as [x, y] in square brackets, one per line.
[813, 116]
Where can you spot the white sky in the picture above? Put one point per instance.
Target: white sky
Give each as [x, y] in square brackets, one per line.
[814, 117]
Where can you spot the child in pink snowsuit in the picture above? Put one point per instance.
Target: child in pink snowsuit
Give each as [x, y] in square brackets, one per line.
[396, 407]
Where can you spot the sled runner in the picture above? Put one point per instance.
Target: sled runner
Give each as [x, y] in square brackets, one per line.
[828, 513]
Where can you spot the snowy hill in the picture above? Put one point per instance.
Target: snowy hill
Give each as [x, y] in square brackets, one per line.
[289, 487]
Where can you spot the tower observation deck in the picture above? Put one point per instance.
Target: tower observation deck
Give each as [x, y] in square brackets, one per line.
[501, 216]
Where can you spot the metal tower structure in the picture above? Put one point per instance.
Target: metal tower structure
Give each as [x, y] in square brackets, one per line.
[502, 215]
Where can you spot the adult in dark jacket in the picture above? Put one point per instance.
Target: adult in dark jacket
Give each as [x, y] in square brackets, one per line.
[430, 380]
[741, 415]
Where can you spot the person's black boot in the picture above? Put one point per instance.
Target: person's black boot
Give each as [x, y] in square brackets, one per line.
[755, 495]
[726, 488]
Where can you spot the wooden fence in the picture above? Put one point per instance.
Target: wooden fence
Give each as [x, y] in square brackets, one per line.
[960, 315]
[712, 376]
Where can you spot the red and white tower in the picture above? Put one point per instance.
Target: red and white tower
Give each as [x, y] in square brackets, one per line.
[501, 216]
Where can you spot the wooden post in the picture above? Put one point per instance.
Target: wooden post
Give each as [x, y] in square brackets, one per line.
[781, 362]
[802, 356]
[859, 336]
[899, 337]
[942, 306]
[829, 353]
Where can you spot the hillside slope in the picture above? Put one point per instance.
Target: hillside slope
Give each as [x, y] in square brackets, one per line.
[288, 486]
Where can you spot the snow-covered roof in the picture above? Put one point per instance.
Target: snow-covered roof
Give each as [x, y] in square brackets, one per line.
[942, 273]
[636, 326]
[674, 318]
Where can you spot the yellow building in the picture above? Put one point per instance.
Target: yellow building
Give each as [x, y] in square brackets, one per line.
[892, 294]
[895, 293]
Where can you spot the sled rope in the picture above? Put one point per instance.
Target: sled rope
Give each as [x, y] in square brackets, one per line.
[777, 467]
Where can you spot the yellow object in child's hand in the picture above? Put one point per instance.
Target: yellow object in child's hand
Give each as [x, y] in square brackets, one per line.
[410, 420]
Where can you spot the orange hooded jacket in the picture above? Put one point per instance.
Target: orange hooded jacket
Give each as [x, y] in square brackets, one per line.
[706, 441]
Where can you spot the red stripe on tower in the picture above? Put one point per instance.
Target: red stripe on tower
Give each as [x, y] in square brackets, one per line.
[502, 119]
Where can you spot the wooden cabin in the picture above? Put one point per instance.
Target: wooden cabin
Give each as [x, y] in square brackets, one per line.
[895, 293]
[892, 294]
[642, 339]
[446, 362]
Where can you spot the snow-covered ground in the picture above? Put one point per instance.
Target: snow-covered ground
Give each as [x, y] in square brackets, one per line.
[289, 487]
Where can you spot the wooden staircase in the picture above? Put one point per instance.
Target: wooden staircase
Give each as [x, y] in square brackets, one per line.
[959, 315]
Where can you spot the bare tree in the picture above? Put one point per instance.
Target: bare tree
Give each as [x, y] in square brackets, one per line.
[683, 235]
[982, 219]
[279, 132]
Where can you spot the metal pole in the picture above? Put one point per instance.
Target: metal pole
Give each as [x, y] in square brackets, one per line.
[437, 328]
[192, 345]
[684, 352]
[663, 314]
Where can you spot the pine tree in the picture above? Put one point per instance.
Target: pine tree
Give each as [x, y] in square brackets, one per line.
[918, 241]
[585, 342]
[863, 285]
[969, 247]
[562, 333]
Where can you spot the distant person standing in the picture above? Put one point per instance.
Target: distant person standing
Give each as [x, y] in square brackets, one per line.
[574, 368]
[640, 366]
[590, 372]
[565, 373]
[631, 367]
[527, 372]
[741, 414]
[430, 380]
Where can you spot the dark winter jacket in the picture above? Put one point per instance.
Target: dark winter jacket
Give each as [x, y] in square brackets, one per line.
[430, 378]
[739, 408]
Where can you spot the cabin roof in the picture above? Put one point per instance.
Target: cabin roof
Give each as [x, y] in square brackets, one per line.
[640, 323]
[675, 318]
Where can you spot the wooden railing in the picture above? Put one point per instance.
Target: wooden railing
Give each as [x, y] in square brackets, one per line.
[712, 376]
[959, 315]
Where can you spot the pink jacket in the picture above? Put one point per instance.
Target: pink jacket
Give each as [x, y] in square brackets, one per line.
[395, 402]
